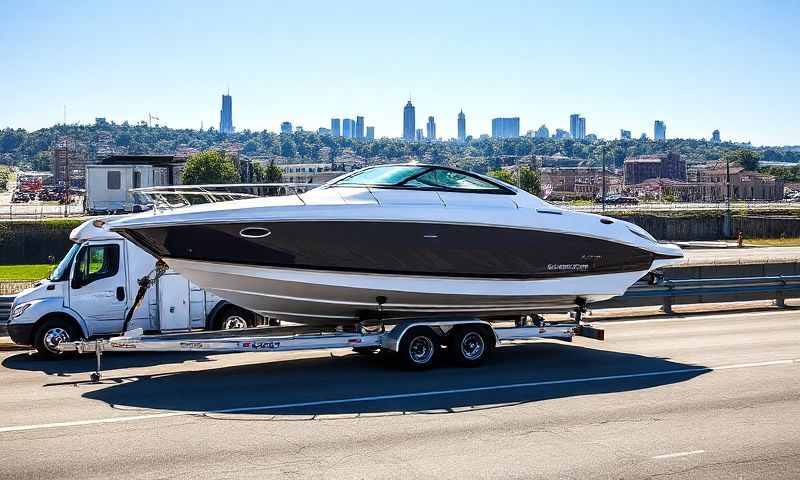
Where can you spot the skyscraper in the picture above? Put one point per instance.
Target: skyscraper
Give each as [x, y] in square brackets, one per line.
[359, 127]
[348, 128]
[462, 127]
[659, 130]
[336, 127]
[286, 127]
[370, 133]
[715, 138]
[431, 128]
[505, 127]
[409, 122]
[419, 135]
[624, 134]
[577, 126]
[226, 115]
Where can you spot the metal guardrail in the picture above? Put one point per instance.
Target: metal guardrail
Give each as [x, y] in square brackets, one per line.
[737, 289]
[717, 289]
[5, 309]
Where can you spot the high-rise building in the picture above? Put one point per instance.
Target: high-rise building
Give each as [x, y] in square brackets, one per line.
[419, 136]
[542, 132]
[577, 126]
[430, 128]
[226, 115]
[359, 127]
[659, 130]
[336, 127]
[286, 127]
[560, 134]
[624, 134]
[409, 121]
[462, 127]
[715, 138]
[348, 128]
[505, 127]
[370, 133]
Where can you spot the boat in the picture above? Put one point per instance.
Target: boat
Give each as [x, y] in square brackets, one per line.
[400, 241]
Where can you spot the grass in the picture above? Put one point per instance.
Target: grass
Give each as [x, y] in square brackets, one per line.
[773, 242]
[24, 273]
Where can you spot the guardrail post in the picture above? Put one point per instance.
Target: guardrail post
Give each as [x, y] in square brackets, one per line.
[780, 295]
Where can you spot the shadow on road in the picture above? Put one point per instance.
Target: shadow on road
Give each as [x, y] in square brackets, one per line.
[85, 363]
[353, 376]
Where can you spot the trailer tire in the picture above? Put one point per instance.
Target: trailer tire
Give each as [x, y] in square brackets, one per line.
[233, 317]
[52, 332]
[470, 345]
[419, 348]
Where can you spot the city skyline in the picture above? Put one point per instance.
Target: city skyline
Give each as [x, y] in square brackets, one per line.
[727, 72]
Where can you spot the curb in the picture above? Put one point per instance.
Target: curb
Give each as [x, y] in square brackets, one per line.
[6, 345]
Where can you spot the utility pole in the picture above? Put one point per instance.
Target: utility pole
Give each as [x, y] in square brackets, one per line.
[66, 178]
[727, 227]
[603, 153]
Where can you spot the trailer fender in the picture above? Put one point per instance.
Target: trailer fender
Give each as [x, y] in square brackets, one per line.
[391, 341]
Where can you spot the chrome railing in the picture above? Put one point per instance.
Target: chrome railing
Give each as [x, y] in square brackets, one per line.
[177, 196]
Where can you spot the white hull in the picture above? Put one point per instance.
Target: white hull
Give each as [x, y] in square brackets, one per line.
[322, 297]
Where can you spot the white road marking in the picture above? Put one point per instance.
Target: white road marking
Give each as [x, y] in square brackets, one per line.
[678, 454]
[375, 398]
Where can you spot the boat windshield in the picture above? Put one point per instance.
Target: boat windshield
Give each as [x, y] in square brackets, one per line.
[62, 270]
[421, 178]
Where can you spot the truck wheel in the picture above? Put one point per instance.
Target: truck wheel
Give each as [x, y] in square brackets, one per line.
[419, 348]
[51, 333]
[470, 345]
[231, 318]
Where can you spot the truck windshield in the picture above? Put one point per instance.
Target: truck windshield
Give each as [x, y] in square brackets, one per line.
[62, 270]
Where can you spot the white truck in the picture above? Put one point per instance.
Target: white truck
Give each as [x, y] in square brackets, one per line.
[93, 288]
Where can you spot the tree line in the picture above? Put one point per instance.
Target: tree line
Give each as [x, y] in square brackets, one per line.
[29, 150]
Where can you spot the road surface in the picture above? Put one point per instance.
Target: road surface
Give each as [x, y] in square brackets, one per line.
[714, 396]
[748, 255]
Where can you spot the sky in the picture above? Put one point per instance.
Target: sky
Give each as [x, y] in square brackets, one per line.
[698, 66]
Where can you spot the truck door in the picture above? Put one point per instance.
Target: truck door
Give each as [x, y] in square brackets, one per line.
[97, 286]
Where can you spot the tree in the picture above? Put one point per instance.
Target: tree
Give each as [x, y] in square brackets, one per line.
[745, 157]
[530, 180]
[503, 176]
[209, 167]
[274, 174]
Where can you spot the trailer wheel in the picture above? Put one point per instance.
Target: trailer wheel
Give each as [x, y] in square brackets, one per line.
[470, 345]
[51, 333]
[419, 348]
[231, 318]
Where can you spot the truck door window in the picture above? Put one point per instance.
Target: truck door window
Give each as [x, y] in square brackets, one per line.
[95, 262]
[114, 178]
[137, 179]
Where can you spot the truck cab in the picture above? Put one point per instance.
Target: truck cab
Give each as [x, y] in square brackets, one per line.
[93, 288]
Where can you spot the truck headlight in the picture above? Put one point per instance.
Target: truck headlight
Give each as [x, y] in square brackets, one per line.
[20, 309]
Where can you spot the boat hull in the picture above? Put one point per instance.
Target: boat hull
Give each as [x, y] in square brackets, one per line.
[344, 298]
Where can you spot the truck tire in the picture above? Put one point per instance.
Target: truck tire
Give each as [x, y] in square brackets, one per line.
[52, 332]
[233, 317]
[419, 348]
[470, 345]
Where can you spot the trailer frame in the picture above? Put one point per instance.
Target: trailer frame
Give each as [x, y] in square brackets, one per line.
[286, 339]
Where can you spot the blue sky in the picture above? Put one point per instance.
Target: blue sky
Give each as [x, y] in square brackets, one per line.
[696, 65]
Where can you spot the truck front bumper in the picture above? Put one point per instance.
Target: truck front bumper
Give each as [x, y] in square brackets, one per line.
[21, 334]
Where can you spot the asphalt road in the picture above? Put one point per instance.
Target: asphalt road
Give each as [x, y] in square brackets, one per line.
[714, 396]
[728, 256]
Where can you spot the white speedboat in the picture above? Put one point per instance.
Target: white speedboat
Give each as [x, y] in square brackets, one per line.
[399, 241]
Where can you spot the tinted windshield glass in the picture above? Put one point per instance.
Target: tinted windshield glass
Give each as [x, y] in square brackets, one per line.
[388, 175]
[449, 179]
[62, 270]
